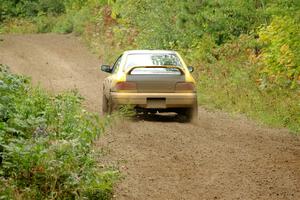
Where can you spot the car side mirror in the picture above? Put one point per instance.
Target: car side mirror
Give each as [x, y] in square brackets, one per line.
[106, 68]
[191, 69]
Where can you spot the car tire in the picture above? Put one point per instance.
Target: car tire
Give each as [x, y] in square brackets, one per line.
[188, 114]
[111, 107]
[192, 114]
[104, 105]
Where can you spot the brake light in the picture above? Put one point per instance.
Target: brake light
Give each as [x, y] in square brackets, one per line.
[185, 87]
[125, 86]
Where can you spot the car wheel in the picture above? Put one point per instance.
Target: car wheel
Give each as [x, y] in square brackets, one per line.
[104, 105]
[188, 114]
[192, 114]
[110, 106]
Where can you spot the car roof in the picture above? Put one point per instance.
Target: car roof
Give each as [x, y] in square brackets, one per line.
[148, 51]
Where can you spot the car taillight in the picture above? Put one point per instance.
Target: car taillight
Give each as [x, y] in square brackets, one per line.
[185, 87]
[125, 86]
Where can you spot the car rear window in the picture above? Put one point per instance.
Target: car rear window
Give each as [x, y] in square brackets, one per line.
[152, 59]
[162, 70]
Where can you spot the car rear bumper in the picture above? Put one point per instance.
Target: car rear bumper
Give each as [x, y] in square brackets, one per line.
[155, 100]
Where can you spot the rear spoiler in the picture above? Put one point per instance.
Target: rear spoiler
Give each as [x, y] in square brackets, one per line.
[165, 66]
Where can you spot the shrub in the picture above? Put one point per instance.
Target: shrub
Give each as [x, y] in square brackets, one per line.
[232, 83]
[46, 144]
[64, 24]
[281, 51]
[30, 8]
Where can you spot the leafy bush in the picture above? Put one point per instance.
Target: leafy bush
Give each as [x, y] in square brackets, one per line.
[232, 83]
[181, 23]
[30, 8]
[45, 144]
[74, 21]
[281, 51]
[64, 24]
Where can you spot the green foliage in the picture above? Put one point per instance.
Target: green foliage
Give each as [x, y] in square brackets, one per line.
[30, 8]
[126, 111]
[180, 23]
[64, 24]
[45, 144]
[73, 21]
[232, 84]
[283, 8]
[281, 51]
[39, 24]
[15, 25]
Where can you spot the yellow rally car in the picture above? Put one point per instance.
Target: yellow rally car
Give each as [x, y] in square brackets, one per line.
[151, 81]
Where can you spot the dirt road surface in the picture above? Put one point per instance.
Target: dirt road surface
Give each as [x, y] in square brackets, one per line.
[219, 157]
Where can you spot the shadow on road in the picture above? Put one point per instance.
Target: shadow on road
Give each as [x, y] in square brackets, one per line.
[161, 117]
